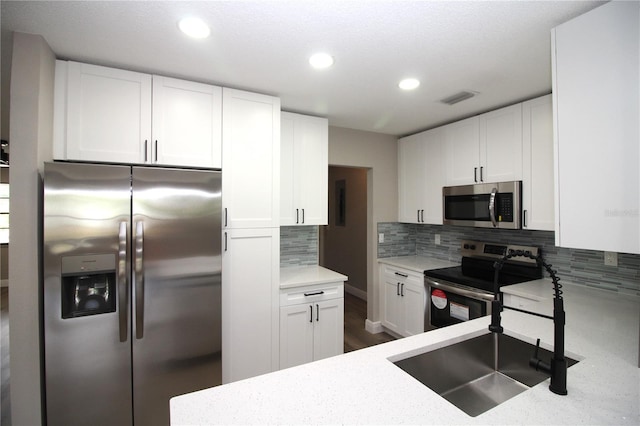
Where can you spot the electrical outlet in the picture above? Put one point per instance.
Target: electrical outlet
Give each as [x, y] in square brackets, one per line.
[381, 237]
[437, 239]
[610, 258]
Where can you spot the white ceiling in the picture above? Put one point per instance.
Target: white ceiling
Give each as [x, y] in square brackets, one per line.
[499, 49]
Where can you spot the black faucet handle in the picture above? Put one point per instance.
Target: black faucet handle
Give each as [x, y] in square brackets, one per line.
[537, 363]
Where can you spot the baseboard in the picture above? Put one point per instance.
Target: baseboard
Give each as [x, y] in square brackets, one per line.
[373, 327]
[360, 294]
[4, 283]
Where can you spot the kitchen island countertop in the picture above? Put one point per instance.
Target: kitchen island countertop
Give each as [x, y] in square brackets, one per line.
[365, 387]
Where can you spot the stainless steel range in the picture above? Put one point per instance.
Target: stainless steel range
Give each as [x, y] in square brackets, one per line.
[464, 292]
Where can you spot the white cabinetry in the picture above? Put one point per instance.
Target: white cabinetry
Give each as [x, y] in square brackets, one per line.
[251, 159]
[420, 177]
[251, 234]
[112, 115]
[304, 170]
[486, 148]
[403, 300]
[250, 282]
[311, 323]
[537, 164]
[596, 89]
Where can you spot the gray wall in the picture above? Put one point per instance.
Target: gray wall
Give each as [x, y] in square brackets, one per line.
[584, 267]
[31, 103]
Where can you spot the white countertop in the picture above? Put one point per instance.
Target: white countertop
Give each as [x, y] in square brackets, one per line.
[308, 275]
[364, 387]
[416, 263]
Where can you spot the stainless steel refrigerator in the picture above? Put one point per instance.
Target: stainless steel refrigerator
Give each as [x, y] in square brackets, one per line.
[132, 281]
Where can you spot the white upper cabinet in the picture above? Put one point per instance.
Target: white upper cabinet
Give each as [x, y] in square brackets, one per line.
[187, 123]
[251, 159]
[537, 164]
[304, 169]
[112, 115]
[596, 94]
[462, 151]
[420, 177]
[501, 144]
[485, 148]
[101, 114]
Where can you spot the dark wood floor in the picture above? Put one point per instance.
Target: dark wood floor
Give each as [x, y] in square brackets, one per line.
[355, 335]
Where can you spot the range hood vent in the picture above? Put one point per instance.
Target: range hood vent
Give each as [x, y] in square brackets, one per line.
[458, 97]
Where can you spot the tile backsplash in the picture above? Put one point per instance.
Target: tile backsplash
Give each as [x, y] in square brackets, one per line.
[298, 246]
[585, 267]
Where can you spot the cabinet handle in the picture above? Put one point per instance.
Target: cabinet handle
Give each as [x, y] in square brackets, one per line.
[401, 274]
[302, 215]
[225, 241]
[315, 293]
[225, 216]
[418, 215]
[422, 213]
[145, 150]
[481, 178]
[524, 218]
[310, 313]
[398, 289]
[402, 289]
[297, 216]
[475, 174]
[155, 154]
[317, 312]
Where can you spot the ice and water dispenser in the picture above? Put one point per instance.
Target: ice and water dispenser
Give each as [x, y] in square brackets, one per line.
[88, 285]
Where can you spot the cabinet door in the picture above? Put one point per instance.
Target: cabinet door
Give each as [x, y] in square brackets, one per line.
[288, 215]
[296, 334]
[596, 91]
[108, 114]
[433, 177]
[391, 304]
[501, 145]
[462, 146]
[537, 164]
[250, 306]
[328, 337]
[311, 169]
[251, 159]
[411, 171]
[413, 297]
[187, 123]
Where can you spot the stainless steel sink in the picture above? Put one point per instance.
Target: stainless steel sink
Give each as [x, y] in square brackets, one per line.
[480, 373]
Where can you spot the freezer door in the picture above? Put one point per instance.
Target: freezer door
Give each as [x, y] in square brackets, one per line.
[87, 346]
[177, 284]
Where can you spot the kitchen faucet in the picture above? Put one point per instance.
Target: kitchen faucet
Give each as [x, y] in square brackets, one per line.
[557, 367]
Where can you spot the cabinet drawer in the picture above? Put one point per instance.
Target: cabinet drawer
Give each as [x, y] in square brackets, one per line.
[403, 275]
[311, 293]
[516, 301]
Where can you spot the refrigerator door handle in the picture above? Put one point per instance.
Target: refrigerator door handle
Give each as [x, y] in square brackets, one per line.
[139, 253]
[123, 302]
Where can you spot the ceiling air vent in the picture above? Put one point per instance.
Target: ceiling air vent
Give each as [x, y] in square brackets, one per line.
[458, 97]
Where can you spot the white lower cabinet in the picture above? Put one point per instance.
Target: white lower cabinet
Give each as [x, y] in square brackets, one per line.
[250, 285]
[402, 300]
[311, 323]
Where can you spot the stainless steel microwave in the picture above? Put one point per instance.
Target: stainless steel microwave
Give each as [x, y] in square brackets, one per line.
[485, 205]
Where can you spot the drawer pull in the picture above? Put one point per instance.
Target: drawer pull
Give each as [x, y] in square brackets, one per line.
[315, 293]
[310, 313]
[402, 275]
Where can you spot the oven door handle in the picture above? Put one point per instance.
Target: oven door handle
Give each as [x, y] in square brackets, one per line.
[492, 207]
[461, 291]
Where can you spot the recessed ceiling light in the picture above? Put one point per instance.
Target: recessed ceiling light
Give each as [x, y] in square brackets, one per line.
[321, 60]
[409, 84]
[194, 27]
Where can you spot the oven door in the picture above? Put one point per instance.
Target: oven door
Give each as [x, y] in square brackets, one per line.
[447, 304]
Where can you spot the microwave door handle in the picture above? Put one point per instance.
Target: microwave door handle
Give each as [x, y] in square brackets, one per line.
[492, 207]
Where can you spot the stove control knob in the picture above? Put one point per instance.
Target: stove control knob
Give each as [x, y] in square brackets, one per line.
[466, 246]
[472, 247]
